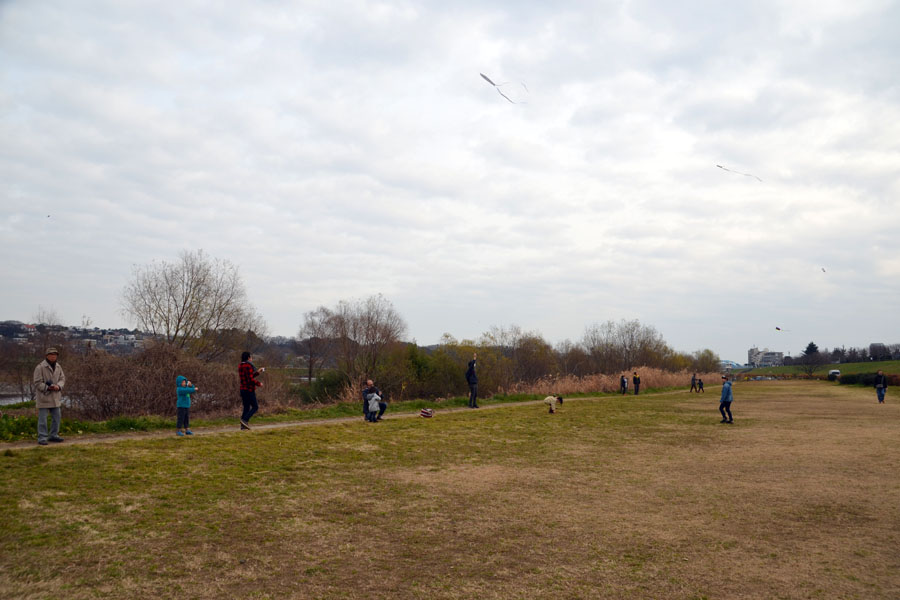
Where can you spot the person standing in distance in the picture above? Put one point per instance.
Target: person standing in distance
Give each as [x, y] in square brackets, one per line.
[880, 385]
[726, 400]
[249, 383]
[694, 383]
[636, 380]
[48, 382]
[472, 380]
[623, 384]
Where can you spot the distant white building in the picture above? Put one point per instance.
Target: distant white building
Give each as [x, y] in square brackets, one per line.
[764, 358]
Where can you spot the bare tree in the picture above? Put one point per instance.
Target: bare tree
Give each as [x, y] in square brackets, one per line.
[600, 343]
[572, 358]
[314, 342]
[362, 331]
[812, 362]
[190, 303]
[706, 361]
[623, 345]
[47, 316]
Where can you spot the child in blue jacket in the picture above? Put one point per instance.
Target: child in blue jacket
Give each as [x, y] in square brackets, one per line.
[184, 389]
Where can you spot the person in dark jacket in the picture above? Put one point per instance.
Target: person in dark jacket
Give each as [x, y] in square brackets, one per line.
[249, 382]
[472, 380]
[880, 385]
[694, 383]
[636, 380]
[623, 384]
[369, 393]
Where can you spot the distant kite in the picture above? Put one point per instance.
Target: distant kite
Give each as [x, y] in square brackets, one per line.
[497, 87]
[823, 269]
[780, 329]
[739, 173]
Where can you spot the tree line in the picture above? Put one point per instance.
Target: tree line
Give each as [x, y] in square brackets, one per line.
[198, 309]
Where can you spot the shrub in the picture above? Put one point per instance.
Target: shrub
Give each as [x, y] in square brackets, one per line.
[328, 385]
[101, 386]
[572, 384]
[868, 379]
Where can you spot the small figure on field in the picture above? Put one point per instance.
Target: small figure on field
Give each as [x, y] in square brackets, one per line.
[249, 382]
[694, 387]
[700, 386]
[472, 380]
[183, 388]
[880, 385]
[636, 380]
[725, 400]
[48, 382]
[373, 405]
[551, 401]
[623, 384]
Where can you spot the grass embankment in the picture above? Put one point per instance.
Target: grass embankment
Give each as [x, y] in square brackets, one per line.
[620, 497]
[21, 424]
[890, 367]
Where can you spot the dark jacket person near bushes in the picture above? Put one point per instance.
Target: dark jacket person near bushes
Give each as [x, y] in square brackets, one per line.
[472, 380]
[249, 383]
[881, 385]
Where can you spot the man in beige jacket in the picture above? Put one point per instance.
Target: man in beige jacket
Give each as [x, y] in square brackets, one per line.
[48, 382]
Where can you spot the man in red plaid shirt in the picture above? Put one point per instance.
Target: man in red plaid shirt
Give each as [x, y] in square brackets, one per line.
[249, 383]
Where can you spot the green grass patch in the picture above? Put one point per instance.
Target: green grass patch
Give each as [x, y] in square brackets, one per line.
[890, 367]
[26, 404]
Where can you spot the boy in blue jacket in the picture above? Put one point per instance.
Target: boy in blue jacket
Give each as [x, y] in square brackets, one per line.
[726, 400]
[184, 389]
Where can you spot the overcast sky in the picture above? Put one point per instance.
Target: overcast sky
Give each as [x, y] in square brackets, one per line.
[335, 150]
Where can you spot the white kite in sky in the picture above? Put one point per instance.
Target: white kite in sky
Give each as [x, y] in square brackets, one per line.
[739, 173]
[497, 87]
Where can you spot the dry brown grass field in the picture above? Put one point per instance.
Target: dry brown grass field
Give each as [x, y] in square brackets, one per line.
[616, 497]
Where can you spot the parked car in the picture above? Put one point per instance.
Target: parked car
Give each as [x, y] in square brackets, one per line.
[833, 374]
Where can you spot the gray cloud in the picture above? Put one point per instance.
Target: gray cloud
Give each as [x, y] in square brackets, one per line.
[335, 152]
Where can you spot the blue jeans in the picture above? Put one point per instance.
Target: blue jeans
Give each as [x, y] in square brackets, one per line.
[473, 395]
[250, 405]
[723, 407]
[880, 392]
[55, 417]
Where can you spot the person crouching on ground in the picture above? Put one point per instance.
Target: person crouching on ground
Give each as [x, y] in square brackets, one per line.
[373, 405]
[725, 400]
[551, 401]
[183, 388]
[249, 383]
[48, 382]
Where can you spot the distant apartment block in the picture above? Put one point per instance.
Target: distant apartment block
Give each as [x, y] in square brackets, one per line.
[764, 358]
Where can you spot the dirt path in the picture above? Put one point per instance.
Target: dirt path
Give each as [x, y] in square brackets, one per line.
[106, 438]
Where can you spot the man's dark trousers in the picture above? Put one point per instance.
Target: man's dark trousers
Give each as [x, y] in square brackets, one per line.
[250, 405]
